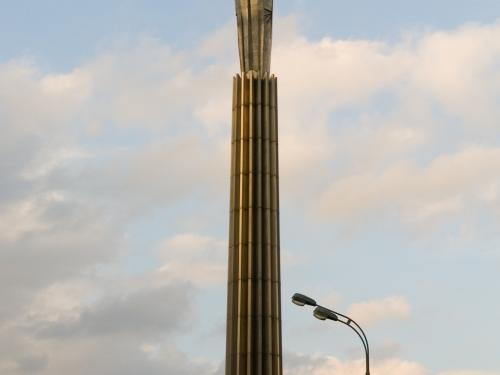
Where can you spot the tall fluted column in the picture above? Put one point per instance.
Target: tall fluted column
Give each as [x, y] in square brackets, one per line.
[253, 345]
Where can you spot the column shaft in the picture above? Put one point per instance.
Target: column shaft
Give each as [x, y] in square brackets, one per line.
[253, 344]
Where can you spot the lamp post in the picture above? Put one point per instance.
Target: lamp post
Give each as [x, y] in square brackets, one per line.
[322, 313]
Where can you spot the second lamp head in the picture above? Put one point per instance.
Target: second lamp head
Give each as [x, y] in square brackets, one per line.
[322, 313]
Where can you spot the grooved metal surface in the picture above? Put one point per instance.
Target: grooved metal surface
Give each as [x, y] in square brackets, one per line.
[254, 297]
[255, 26]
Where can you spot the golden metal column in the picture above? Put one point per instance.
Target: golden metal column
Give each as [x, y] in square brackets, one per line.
[253, 344]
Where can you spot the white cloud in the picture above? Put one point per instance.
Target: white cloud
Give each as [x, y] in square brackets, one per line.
[35, 103]
[377, 129]
[372, 312]
[158, 174]
[317, 77]
[64, 222]
[145, 313]
[164, 89]
[457, 66]
[195, 259]
[323, 365]
[60, 302]
[120, 357]
[317, 364]
[448, 185]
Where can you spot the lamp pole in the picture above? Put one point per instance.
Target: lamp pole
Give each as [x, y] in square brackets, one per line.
[322, 313]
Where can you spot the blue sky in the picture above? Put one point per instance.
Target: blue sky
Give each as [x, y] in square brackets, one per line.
[62, 34]
[114, 199]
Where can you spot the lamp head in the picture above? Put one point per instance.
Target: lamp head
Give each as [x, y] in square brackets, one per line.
[302, 300]
[323, 313]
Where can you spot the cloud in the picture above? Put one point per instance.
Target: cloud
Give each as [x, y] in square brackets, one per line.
[374, 129]
[445, 66]
[372, 312]
[322, 365]
[53, 99]
[53, 239]
[64, 225]
[67, 326]
[151, 312]
[111, 356]
[152, 175]
[60, 302]
[165, 90]
[195, 259]
[446, 186]
[317, 364]
[456, 66]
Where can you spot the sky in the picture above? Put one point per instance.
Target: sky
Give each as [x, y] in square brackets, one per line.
[114, 157]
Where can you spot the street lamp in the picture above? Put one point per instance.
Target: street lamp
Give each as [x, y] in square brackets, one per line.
[302, 300]
[322, 313]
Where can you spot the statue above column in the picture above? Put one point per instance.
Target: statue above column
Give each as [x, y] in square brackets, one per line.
[255, 27]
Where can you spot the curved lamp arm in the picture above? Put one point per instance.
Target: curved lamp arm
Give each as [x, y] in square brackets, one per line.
[322, 313]
[359, 335]
[349, 320]
[365, 344]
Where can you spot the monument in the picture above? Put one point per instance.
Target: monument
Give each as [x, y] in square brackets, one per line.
[253, 343]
